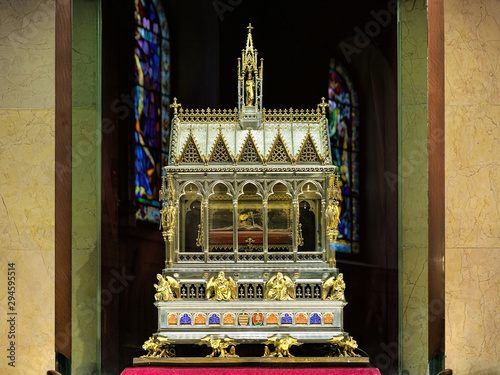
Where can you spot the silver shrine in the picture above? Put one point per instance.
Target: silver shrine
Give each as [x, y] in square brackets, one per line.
[250, 205]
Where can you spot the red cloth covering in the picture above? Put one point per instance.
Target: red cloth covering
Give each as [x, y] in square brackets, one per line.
[249, 371]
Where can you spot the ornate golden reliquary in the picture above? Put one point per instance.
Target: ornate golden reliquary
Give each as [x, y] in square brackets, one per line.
[250, 208]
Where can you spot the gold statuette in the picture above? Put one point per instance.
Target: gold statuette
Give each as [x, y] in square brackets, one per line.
[167, 289]
[333, 288]
[343, 347]
[219, 346]
[221, 289]
[332, 213]
[168, 218]
[281, 346]
[158, 346]
[280, 287]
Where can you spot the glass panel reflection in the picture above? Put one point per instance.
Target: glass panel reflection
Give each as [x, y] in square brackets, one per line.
[250, 234]
[190, 215]
[279, 236]
[220, 211]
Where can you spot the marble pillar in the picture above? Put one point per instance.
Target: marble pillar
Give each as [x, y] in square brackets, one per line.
[27, 183]
[86, 186]
[472, 110]
[413, 187]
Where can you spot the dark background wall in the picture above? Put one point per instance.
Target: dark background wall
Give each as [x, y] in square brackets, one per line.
[297, 40]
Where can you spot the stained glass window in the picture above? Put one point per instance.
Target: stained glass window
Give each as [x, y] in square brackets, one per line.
[343, 126]
[152, 123]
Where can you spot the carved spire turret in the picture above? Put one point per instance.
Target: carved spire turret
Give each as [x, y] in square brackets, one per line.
[249, 85]
[249, 54]
[249, 37]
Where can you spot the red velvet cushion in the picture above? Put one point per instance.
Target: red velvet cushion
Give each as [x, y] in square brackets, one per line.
[248, 371]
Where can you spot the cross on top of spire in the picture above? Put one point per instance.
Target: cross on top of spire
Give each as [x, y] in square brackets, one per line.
[248, 55]
[249, 38]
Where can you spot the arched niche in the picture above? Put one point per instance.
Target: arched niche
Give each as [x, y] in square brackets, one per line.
[279, 218]
[220, 218]
[309, 213]
[250, 218]
[190, 219]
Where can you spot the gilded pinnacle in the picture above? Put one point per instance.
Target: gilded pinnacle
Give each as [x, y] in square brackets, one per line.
[249, 38]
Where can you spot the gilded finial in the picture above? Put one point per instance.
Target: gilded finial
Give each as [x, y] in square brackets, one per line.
[175, 106]
[323, 105]
[249, 46]
[249, 55]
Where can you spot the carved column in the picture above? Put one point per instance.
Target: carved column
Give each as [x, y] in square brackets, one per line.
[235, 229]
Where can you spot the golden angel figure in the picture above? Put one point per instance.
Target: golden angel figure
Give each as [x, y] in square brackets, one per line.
[168, 288]
[221, 289]
[333, 288]
[280, 287]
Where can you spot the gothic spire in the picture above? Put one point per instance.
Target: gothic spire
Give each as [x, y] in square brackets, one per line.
[249, 54]
[249, 47]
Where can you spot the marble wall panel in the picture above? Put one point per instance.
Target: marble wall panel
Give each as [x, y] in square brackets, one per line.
[27, 234]
[414, 279]
[85, 187]
[413, 187]
[472, 52]
[84, 312]
[27, 53]
[472, 305]
[413, 175]
[33, 311]
[27, 181]
[472, 55]
[472, 176]
[85, 304]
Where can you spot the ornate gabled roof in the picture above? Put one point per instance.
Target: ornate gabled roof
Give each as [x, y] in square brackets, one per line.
[303, 142]
[220, 152]
[279, 151]
[308, 151]
[249, 152]
[191, 152]
[249, 134]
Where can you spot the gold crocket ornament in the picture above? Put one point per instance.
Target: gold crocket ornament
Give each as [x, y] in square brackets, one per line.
[220, 346]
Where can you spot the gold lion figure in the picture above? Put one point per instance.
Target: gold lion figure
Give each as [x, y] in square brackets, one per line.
[333, 288]
[221, 289]
[280, 287]
[158, 346]
[343, 347]
[168, 288]
[281, 346]
[220, 346]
